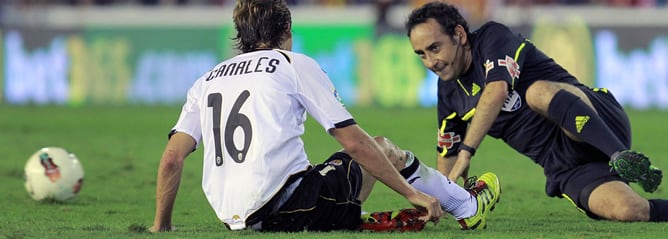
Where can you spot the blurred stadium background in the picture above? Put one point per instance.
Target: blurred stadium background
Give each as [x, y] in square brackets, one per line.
[148, 52]
[108, 78]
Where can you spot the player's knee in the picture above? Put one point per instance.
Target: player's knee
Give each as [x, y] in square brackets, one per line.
[392, 151]
[535, 96]
[385, 144]
[382, 141]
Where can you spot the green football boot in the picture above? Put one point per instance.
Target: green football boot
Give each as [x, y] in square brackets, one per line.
[635, 167]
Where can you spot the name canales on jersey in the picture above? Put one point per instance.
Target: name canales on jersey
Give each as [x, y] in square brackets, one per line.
[263, 64]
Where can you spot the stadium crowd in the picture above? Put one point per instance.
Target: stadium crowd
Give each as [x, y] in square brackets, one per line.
[339, 3]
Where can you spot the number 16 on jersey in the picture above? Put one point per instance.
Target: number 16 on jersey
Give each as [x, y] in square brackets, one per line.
[235, 121]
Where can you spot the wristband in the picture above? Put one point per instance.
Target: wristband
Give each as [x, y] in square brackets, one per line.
[463, 146]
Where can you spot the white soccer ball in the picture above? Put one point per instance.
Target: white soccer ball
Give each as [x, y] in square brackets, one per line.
[53, 173]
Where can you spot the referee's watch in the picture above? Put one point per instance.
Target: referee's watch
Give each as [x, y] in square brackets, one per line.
[465, 147]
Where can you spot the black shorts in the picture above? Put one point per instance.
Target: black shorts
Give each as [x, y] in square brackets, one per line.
[576, 168]
[325, 200]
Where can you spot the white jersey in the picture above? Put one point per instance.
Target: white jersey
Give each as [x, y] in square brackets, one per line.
[249, 111]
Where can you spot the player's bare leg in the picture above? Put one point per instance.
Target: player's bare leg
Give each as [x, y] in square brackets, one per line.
[540, 95]
[368, 182]
[617, 201]
[396, 156]
[445, 165]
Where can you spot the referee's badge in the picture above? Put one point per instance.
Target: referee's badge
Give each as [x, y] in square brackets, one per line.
[513, 102]
[512, 67]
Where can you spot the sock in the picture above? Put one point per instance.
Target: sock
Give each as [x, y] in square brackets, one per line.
[658, 210]
[454, 199]
[574, 115]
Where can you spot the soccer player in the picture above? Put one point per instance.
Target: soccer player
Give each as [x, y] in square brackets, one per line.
[249, 111]
[495, 82]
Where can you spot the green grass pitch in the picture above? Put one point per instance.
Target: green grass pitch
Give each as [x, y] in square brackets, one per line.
[120, 147]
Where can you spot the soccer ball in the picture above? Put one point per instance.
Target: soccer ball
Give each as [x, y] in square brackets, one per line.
[53, 173]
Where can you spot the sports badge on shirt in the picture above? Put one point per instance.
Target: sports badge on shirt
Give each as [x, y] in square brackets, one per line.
[512, 67]
[513, 102]
[338, 97]
[489, 65]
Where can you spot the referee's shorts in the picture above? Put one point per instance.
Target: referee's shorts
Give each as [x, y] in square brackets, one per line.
[578, 168]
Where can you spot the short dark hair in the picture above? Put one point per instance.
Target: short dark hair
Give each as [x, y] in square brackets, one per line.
[260, 23]
[445, 14]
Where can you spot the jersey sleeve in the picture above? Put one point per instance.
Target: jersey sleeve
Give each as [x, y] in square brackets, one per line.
[451, 127]
[503, 52]
[319, 96]
[189, 119]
